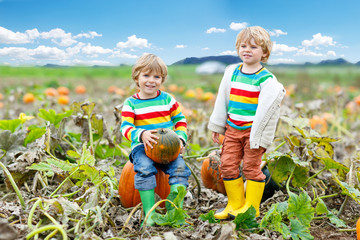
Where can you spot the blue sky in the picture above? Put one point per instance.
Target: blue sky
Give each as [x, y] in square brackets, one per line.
[112, 32]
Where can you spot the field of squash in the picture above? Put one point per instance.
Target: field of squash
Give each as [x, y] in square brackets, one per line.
[64, 170]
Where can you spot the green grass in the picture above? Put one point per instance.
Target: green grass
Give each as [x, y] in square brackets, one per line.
[306, 77]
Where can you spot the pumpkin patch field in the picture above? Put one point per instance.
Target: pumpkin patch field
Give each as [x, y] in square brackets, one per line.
[65, 170]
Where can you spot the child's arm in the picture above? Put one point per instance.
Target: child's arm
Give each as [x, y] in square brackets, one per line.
[179, 121]
[219, 115]
[128, 128]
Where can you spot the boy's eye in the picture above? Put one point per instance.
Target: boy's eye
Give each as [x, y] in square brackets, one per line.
[157, 76]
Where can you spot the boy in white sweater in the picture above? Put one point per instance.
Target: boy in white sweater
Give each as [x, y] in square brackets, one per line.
[246, 111]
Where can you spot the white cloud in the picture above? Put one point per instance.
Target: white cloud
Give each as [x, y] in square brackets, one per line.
[228, 53]
[180, 46]
[205, 48]
[95, 50]
[309, 53]
[277, 33]
[43, 52]
[331, 54]
[76, 49]
[317, 40]
[9, 37]
[57, 36]
[133, 41]
[120, 54]
[90, 34]
[215, 30]
[281, 60]
[238, 26]
[15, 53]
[66, 39]
[90, 63]
[279, 49]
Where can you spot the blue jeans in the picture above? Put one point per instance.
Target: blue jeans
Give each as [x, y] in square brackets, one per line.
[145, 169]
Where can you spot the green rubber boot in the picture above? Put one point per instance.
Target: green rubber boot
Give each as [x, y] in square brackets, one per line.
[173, 193]
[148, 201]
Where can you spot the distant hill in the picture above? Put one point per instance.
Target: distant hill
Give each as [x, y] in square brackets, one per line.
[226, 59]
[339, 61]
[230, 59]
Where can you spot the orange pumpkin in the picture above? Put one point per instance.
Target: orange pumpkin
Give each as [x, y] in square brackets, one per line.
[111, 89]
[129, 196]
[211, 173]
[28, 98]
[63, 99]
[167, 148]
[358, 229]
[221, 139]
[318, 124]
[63, 90]
[1, 96]
[80, 89]
[51, 92]
[357, 100]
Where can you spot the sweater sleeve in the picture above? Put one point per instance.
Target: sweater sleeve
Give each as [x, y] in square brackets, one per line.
[128, 128]
[178, 119]
[219, 115]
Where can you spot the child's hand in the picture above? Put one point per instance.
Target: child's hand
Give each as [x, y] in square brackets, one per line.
[215, 137]
[148, 137]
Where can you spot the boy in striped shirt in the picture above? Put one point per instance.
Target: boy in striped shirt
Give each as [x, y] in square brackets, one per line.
[142, 114]
[246, 111]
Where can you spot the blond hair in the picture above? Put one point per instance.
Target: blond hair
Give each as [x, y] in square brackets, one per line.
[261, 37]
[149, 63]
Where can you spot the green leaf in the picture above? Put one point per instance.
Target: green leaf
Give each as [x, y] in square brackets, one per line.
[349, 190]
[52, 166]
[73, 154]
[34, 134]
[272, 219]
[11, 125]
[97, 123]
[246, 220]
[299, 231]
[335, 220]
[173, 218]
[321, 207]
[89, 173]
[332, 164]
[300, 207]
[300, 175]
[86, 157]
[87, 108]
[176, 197]
[43, 167]
[281, 169]
[210, 217]
[52, 117]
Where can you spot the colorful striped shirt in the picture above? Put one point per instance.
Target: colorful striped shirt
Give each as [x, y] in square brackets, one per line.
[139, 115]
[244, 96]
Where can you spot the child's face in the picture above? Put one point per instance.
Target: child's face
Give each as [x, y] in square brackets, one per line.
[149, 83]
[251, 53]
